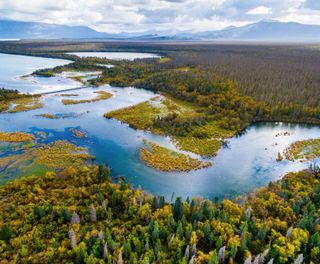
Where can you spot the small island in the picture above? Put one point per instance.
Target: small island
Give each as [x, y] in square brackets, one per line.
[101, 95]
[164, 159]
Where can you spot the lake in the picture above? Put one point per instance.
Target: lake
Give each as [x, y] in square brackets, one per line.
[115, 55]
[12, 67]
[248, 163]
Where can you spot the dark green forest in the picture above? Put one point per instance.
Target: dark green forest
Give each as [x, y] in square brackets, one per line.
[83, 217]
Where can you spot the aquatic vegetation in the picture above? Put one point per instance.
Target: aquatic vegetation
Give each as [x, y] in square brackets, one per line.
[165, 159]
[102, 95]
[49, 116]
[286, 133]
[60, 154]
[25, 104]
[62, 115]
[81, 216]
[303, 150]
[279, 157]
[36, 159]
[68, 95]
[139, 116]
[12, 101]
[78, 132]
[15, 137]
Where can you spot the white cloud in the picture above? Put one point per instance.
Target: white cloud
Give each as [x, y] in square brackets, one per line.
[172, 15]
[260, 10]
[304, 16]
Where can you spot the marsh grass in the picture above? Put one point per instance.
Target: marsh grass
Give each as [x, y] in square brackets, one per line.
[140, 116]
[303, 150]
[25, 104]
[61, 154]
[15, 137]
[164, 159]
[102, 95]
[78, 133]
[35, 159]
[49, 116]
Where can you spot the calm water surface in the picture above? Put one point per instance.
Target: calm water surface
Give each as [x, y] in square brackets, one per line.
[248, 163]
[115, 55]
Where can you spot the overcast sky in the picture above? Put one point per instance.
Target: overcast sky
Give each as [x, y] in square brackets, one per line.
[141, 15]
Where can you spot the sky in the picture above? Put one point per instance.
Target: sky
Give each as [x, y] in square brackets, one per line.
[155, 15]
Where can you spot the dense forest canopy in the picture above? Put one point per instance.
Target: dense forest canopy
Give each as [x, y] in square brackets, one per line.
[273, 73]
[81, 216]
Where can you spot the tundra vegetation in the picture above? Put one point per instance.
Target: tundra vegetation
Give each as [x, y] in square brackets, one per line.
[165, 159]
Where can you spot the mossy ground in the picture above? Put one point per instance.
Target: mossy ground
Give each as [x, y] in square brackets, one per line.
[165, 159]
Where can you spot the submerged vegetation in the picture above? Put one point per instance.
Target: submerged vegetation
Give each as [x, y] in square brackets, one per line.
[82, 217]
[36, 158]
[167, 160]
[101, 95]
[303, 150]
[62, 115]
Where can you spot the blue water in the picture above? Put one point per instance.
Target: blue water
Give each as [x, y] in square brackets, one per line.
[13, 67]
[248, 163]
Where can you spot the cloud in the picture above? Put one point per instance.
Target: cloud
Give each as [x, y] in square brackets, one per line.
[305, 16]
[159, 15]
[260, 10]
[312, 4]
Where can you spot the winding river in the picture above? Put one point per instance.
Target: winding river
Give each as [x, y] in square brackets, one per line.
[249, 161]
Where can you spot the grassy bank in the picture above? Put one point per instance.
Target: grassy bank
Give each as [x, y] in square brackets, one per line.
[163, 159]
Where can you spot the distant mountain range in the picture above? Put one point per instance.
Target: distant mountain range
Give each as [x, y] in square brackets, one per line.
[266, 30]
